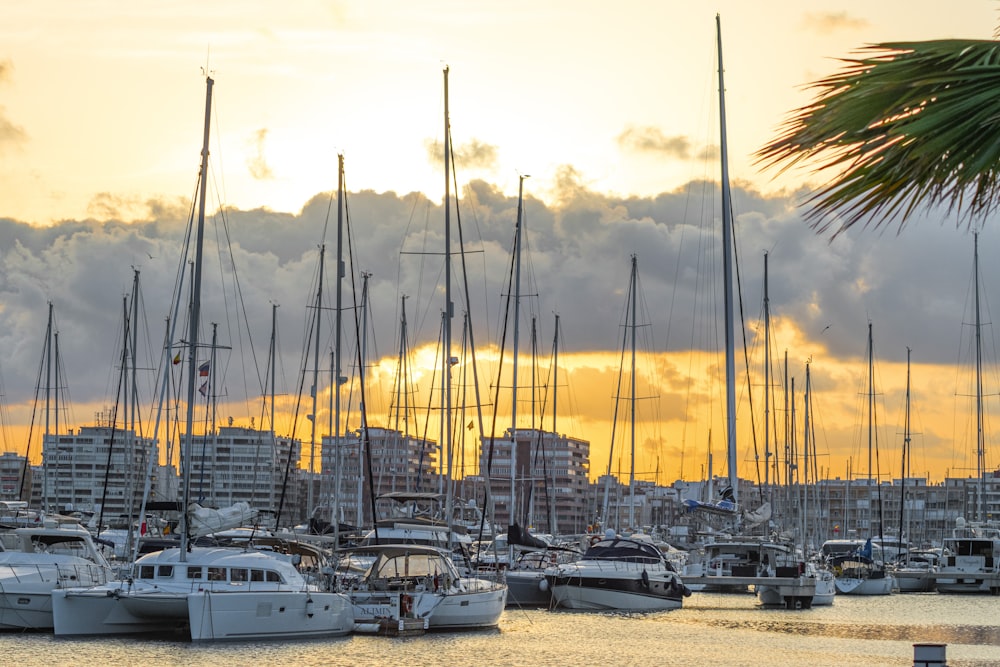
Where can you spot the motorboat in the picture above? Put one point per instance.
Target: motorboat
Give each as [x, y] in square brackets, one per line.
[618, 573]
[970, 560]
[35, 561]
[526, 579]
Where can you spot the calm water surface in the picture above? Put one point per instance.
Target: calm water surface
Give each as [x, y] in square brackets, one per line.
[710, 630]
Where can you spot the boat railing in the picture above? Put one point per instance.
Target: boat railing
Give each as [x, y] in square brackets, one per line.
[63, 575]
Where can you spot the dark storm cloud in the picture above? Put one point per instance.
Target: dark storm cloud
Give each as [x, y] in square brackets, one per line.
[914, 287]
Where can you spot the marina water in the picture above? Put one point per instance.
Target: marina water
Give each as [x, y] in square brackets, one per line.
[711, 629]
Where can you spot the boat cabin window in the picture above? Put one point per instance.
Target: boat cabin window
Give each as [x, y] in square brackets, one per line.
[256, 575]
[216, 574]
[273, 576]
[145, 572]
[239, 574]
[165, 571]
[195, 573]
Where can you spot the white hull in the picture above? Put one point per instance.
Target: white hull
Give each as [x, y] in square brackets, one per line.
[965, 582]
[479, 606]
[39, 560]
[268, 615]
[584, 597]
[98, 611]
[914, 581]
[26, 611]
[857, 586]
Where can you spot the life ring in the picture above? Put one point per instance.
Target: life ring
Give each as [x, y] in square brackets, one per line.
[405, 604]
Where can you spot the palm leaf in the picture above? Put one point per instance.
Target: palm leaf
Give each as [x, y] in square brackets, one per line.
[907, 124]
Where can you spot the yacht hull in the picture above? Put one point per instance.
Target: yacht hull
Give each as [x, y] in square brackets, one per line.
[214, 615]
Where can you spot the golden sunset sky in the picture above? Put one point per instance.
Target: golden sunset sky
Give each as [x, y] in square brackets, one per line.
[610, 107]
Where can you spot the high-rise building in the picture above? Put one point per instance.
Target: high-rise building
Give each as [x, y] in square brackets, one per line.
[15, 477]
[551, 483]
[399, 462]
[237, 464]
[95, 468]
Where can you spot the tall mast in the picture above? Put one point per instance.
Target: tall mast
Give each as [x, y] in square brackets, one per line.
[195, 315]
[980, 436]
[871, 400]
[767, 381]
[904, 529]
[274, 431]
[727, 277]
[315, 382]
[48, 409]
[631, 474]
[517, 316]
[336, 381]
[555, 412]
[449, 308]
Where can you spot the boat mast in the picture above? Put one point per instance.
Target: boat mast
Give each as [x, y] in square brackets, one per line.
[980, 436]
[195, 314]
[904, 528]
[631, 475]
[517, 316]
[315, 382]
[338, 379]
[275, 457]
[767, 382]
[727, 277]
[48, 409]
[449, 307]
[871, 400]
[805, 461]
[555, 412]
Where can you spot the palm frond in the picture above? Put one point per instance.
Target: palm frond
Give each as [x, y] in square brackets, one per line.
[907, 124]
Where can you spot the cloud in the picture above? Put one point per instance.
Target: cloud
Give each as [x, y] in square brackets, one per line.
[257, 161]
[650, 139]
[473, 154]
[11, 134]
[829, 22]
[576, 262]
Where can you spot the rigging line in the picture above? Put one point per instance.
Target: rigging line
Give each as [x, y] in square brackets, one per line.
[488, 503]
[746, 357]
[496, 403]
[430, 403]
[119, 394]
[241, 306]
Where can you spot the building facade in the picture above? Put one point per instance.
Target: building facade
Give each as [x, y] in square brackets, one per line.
[552, 481]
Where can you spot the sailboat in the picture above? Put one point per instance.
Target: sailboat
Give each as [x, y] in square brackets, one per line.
[914, 573]
[619, 573]
[209, 593]
[727, 505]
[417, 581]
[859, 572]
[971, 556]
